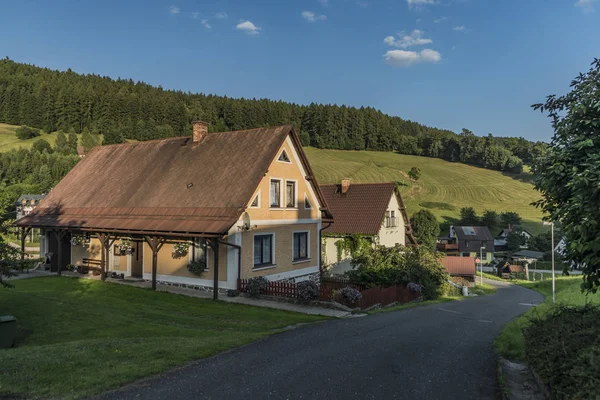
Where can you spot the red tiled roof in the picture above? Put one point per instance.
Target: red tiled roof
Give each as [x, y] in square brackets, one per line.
[361, 209]
[459, 265]
[168, 185]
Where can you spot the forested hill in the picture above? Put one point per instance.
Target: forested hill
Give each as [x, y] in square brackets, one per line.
[124, 109]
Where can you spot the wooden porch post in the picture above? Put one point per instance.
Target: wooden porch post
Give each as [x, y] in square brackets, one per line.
[24, 232]
[103, 238]
[155, 243]
[109, 242]
[215, 246]
[60, 235]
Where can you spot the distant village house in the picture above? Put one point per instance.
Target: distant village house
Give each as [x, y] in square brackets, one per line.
[371, 210]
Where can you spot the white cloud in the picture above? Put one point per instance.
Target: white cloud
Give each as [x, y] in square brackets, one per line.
[324, 3]
[174, 10]
[586, 5]
[440, 19]
[248, 27]
[459, 28]
[362, 4]
[221, 15]
[418, 20]
[414, 39]
[403, 58]
[205, 23]
[195, 15]
[312, 17]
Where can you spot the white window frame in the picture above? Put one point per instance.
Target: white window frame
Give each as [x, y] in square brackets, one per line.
[273, 261]
[301, 260]
[257, 197]
[197, 243]
[287, 154]
[309, 202]
[281, 195]
[295, 206]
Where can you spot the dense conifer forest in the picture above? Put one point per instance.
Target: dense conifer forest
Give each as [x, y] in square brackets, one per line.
[122, 109]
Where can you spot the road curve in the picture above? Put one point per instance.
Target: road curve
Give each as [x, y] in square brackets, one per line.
[442, 351]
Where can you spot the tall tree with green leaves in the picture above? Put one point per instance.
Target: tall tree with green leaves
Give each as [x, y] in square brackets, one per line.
[426, 228]
[489, 218]
[88, 141]
[468, 216]
[113, 136]
[569, 175]
[510, 218]
[61, 145]
[414, 173]
[72, 142]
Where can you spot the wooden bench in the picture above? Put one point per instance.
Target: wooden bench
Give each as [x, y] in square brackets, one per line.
[92, 262]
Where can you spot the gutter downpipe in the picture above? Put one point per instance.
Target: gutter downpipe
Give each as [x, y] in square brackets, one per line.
[320, 248]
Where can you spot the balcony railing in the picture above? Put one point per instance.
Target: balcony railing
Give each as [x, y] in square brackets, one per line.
[392, 222]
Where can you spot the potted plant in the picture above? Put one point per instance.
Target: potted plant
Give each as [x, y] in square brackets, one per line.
[197, 267]
[125, 246]
[78, 240]
[180, 250]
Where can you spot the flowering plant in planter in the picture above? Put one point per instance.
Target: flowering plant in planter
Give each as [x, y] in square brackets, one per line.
[197, 267]
[180, 250]
[414, 288]
[350, 294]
[125, 246]
[78, 240]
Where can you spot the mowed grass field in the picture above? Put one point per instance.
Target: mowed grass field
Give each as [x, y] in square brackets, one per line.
[444, 187]
[8, 140]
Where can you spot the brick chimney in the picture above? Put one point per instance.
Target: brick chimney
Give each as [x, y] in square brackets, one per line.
[200, 130]
[345, 185]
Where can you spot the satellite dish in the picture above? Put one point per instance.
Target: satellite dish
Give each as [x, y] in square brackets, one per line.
[245, 221]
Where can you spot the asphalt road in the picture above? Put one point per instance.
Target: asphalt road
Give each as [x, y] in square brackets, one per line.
[442, 351]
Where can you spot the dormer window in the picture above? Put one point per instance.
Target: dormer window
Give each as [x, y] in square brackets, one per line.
[283, 157]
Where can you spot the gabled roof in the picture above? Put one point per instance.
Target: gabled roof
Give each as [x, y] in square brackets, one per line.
[472, 238]
[167, 185]
[459, 265]
[360, 211]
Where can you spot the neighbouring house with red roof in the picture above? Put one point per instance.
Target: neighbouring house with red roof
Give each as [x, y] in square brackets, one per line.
[238, 204]
[373, 210]
[463, 267]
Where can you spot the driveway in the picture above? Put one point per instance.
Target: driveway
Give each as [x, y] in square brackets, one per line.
[442, 351]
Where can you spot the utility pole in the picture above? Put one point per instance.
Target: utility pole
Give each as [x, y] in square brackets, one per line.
[551, 223]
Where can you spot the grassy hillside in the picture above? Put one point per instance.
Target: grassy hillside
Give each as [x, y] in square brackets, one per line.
[8, 140]
[443, 188]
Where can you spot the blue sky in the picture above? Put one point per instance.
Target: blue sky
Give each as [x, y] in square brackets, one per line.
[478, 64]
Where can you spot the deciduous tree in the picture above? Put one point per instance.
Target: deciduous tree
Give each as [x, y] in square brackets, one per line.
[569, 175]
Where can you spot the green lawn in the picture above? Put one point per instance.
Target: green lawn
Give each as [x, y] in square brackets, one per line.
[509, 344]
[78, 337]
[482, 289]
[443, 188]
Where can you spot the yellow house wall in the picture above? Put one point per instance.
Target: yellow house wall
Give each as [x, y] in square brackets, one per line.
[283, 171]
[283, 249]
[388, 237]
[78, 253]
[93, 251]
[167, 265]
